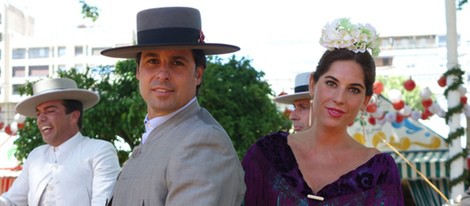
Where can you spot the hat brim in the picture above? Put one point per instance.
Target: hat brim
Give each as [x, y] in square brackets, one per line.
[132, 51]
[27, 107]
[290, 98]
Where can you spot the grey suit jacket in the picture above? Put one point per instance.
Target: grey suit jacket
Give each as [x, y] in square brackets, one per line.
[188, 160]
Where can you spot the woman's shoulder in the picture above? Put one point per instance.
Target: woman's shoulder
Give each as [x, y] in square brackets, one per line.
[271, 149]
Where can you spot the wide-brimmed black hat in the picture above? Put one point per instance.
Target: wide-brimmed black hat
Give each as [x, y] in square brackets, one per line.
[169, 28]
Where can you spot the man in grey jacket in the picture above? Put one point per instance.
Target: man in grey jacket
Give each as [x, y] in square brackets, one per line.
[185, 157]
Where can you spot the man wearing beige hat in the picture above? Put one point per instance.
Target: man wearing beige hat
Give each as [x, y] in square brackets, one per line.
[70, 169]
[186, 157]
[300, 99]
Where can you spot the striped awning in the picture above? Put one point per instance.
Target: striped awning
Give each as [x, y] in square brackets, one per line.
[431, 163]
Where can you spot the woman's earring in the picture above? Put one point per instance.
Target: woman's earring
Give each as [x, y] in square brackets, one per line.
[310, 113]
[363, 123]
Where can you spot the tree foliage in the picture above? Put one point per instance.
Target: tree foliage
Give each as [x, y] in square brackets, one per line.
[237, 96]
[89, 12]
[233, 92]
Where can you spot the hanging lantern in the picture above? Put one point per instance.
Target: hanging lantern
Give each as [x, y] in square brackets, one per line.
[378, 87]
[425, 93]
[394, 95]
[442, 81]
[405, 111]
[371, 107]
[409, 84]
[8, 130]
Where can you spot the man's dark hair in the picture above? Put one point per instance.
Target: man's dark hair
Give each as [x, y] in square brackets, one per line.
[74, 105]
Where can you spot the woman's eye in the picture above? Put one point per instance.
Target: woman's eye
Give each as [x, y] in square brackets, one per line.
[330, 83]
[355, 90]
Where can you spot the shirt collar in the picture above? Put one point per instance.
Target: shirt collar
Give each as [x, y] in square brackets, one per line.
[157, 121]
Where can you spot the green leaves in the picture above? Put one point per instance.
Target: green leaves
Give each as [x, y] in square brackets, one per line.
[240, 100]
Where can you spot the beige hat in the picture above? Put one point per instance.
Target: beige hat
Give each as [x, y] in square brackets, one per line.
[56, 89]
[300, 89]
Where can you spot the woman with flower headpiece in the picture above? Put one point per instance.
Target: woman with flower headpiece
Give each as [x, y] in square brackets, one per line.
[324, 165]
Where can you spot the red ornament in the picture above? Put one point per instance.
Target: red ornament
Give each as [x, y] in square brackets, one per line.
[8, 130]
[398, 105]
[371, 107]
[442, 81]
[20, 125]
[2, 124]
[378, 88]
[399, 118]
[463, 99]
[426, 103]
[372, 120]
[409, 84]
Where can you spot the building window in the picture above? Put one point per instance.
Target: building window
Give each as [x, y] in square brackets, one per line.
[78, 50]
[61, 51]
[19, 53]
[18, 71]
[97, 51]
[38, 71]
[40, 52]
[383, 61]
[16, 89]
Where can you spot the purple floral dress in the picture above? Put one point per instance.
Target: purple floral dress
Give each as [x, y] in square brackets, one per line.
[272, 177]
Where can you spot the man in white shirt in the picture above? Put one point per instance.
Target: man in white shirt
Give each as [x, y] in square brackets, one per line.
[70, 169]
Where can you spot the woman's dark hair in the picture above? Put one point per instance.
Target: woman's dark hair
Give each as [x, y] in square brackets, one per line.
[199, 60]
[362, 58]
[73, 105]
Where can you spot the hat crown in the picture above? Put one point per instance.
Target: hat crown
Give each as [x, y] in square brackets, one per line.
[53, 85]
[168, 17]
[301, 82]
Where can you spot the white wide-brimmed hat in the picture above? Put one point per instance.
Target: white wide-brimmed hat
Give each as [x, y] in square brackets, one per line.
[169, 28]
[300, 90]
[56, 89]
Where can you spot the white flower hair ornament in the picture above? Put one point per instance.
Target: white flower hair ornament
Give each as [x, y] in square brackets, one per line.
[341, 33]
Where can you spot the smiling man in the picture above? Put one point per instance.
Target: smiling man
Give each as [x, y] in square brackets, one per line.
[70, 168]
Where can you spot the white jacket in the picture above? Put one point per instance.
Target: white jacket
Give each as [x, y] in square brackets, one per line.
[84, 174]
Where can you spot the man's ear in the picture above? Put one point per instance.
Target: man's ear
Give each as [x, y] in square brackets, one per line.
[199, 74]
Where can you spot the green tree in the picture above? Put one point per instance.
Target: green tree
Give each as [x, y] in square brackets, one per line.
[237, 96]
[88, 11]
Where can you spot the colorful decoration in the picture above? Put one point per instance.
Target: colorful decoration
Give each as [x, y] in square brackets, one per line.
[409, 84]
[378, 88]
